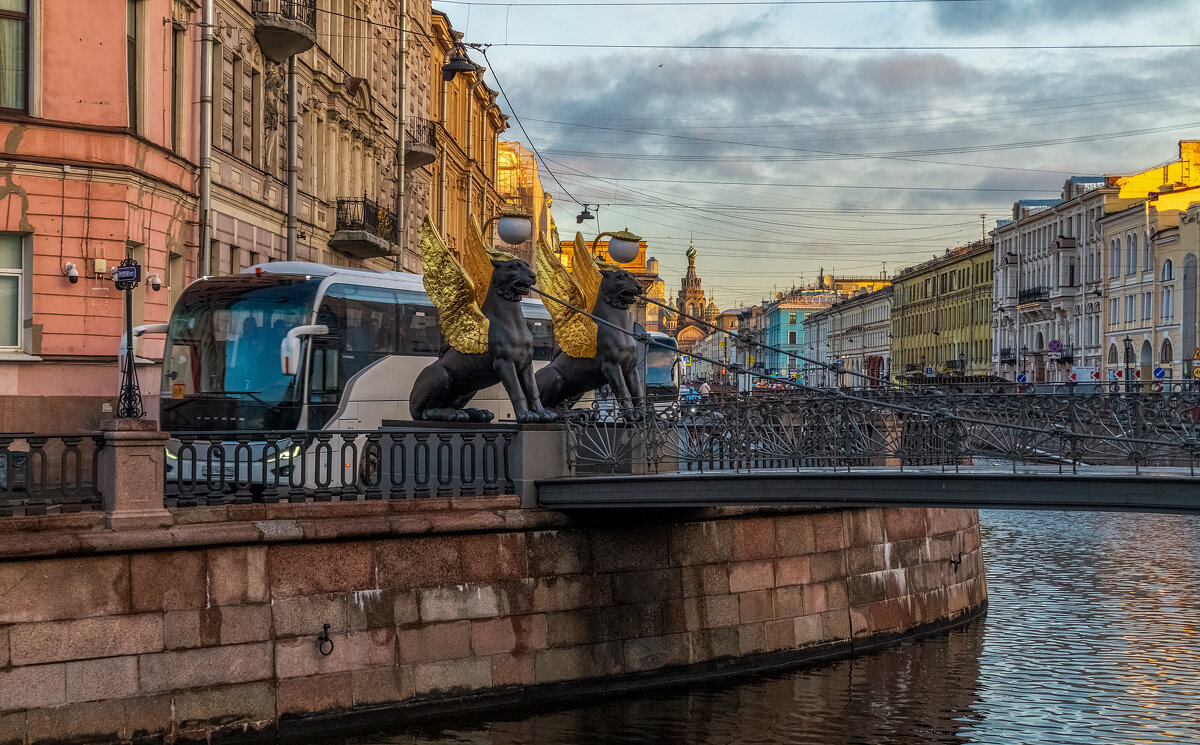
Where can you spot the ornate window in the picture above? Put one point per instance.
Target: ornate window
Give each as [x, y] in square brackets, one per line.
[1168, 271]
[1166, 356]
[1114, 258]
[1112, 354]
[1131, 253]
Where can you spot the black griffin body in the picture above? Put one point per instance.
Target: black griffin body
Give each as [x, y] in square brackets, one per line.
[443, 388]
[567, 378]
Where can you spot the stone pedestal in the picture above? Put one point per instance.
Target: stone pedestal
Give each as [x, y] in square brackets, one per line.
[131, 474]
[543, 456]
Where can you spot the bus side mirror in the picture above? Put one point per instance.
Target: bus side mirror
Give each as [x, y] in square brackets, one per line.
[289, 348]
[138, 332]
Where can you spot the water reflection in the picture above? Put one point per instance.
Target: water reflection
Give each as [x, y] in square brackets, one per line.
[1090, 639]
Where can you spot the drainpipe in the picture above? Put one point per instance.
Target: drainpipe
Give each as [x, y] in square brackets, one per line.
[291, 159]
[206, 137]
[442, 167]
[479, 70]
[401, 143]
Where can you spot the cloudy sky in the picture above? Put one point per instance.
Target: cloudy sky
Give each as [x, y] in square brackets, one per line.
[796, 135]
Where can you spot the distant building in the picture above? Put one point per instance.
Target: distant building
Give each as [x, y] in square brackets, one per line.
[644, 269]
[1077, 275]
[860, 331]
[691, 301]
[941, 314]
[784, 329]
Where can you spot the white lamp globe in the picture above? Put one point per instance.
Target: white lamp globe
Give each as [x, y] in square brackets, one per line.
[623, 246]
[514, 229]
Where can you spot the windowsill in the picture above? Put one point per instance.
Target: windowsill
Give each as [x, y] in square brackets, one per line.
[18, 357]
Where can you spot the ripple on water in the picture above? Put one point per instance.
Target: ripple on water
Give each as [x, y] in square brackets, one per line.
[1090, 638]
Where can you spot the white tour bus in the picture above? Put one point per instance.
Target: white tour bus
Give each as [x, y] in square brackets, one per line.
[300, 346]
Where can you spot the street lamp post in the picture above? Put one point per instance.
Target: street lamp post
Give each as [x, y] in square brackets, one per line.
[1128, 361]
[514, 228]
[1022, 354]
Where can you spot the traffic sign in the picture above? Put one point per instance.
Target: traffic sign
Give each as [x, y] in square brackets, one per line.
[1095, 374]
[1196, 372]
[1072, 377]
[1055, 345]
[1022, 379]
[1137, 373]
[687, 359]
[1157, 387]
[1118, 374]
[929, 372]
[1196, 355]
[1160, 373]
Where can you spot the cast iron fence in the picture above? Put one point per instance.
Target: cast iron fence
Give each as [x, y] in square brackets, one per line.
[890, 427]
[212, 468]
[43, 474]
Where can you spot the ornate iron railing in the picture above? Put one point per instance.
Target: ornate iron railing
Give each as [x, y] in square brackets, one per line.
[420, 131]
[365, 214]
[1008, 356]
[891, 427]
[42, 474]
[208, 468]
[304, 11]
[1033, 294]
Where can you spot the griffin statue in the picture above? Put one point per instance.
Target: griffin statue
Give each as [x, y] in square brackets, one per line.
[479, 311]
[593, 354]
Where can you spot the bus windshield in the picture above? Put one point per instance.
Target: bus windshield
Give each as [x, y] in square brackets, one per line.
[221, 367]
[662, 368]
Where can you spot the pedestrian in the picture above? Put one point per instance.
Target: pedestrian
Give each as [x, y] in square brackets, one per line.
[704, 388]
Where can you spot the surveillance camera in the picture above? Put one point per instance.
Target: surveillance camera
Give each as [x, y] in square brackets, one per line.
[71, 272]
[155, 282]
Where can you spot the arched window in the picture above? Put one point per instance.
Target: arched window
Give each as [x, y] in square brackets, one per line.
[1147, 254]
[1168, 304]
[1112, 354]
[1168, 271]
[1166, 356]
[1131, 253]
[1114, 258]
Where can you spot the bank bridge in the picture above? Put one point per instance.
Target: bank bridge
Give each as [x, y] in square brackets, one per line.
[1134, 451]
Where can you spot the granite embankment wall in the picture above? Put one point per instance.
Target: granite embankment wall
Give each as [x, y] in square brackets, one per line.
[207, 630]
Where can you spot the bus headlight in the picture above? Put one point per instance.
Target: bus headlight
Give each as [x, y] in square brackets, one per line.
[285, 455]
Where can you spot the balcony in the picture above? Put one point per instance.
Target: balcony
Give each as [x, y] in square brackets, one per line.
[285, 27]
[1066, 356]
[956, 365]
[1033, 295]
[420, 143]
[1008, 356]
[364, 229]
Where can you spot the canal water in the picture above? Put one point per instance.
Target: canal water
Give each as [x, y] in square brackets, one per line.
[1090, 638]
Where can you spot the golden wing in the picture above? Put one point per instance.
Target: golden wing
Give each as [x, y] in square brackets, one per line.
[453, 294]
[587, 274]
[476, 261]
[574, 332]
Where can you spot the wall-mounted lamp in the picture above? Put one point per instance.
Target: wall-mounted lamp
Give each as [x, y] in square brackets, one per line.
[459, 63]
[70, 271]
[586, 214]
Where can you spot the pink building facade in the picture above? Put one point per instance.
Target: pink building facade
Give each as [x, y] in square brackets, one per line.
[97, 101]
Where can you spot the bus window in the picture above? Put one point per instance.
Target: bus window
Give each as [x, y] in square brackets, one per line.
[543, 338]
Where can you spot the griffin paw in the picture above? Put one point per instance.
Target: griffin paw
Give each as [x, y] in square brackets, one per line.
[479, 415]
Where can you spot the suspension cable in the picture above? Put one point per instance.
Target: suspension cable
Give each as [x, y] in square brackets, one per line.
[750, 342]
[842, 395]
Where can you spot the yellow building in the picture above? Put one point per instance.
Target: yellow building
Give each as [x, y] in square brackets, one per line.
[519, 185]
[646, 271]
[942, 314]
[1149, 291]
[467, 122]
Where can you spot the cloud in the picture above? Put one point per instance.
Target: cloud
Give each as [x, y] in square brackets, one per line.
[772, 118]
[986, 17]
